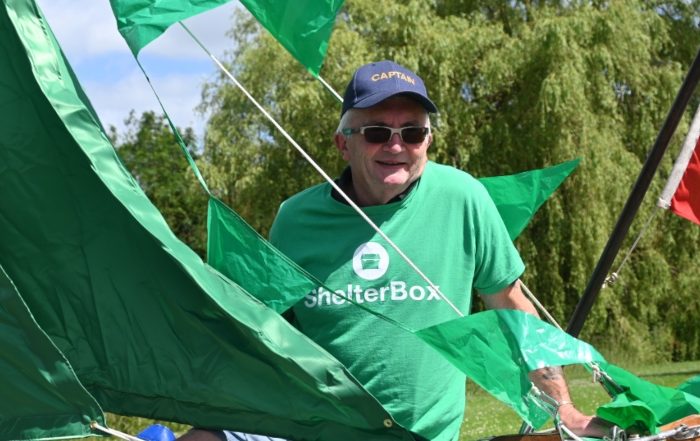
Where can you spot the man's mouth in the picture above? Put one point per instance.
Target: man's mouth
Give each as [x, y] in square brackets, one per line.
[391, 163]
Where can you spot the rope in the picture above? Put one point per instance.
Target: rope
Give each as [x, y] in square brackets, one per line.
[539, 305]
[330, 89]
[613, 277]
[121, 435]
[323, 173]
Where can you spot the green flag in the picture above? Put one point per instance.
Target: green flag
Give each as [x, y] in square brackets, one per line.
[644, 405]
[142, 21]
[691, 386]
[303, 27]
[239, 252]
[497, 349]
[40, 397]
[149, 329]
[519, 196]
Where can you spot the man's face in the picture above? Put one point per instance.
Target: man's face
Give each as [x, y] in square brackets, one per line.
[382, 171]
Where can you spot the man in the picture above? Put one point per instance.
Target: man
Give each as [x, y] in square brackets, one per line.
[439, 216]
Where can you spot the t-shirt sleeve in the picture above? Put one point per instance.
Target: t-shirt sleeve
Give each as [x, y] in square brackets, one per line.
[498, 263]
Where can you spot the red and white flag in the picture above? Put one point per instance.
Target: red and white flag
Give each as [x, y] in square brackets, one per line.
[682, 191]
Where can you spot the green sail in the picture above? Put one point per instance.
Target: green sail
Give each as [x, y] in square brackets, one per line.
[149, 328]
[40, 398]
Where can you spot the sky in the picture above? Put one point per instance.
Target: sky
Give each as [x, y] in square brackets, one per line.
[87, 32]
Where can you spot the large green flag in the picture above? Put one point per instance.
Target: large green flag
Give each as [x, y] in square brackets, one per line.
[497, 349]
[303, 27]
[149, 329]
[519, 196]
[40, 397]
[142, 21]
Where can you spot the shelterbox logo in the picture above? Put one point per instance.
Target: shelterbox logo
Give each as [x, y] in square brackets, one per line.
[370, 261]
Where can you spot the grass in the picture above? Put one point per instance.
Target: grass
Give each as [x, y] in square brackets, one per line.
[485, 416]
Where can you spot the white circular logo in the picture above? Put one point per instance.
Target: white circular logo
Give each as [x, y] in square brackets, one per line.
[370, 261]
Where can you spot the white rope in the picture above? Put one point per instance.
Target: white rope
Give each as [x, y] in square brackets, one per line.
[612, 278]
[330, 88]
[324, 174]
[539, 305]
[95, 426]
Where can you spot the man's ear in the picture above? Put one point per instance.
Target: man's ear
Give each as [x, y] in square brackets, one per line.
[341, 143]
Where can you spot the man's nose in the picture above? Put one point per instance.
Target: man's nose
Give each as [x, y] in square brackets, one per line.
[395, 143]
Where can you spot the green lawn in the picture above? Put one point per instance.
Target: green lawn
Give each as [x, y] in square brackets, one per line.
[485, 416]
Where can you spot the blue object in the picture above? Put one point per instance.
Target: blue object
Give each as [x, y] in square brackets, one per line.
[375, 82]
[157, 432]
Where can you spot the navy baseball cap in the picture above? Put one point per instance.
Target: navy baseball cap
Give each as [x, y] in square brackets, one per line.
[375, 82]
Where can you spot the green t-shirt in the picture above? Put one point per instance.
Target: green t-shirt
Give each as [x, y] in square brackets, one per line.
[450, 228]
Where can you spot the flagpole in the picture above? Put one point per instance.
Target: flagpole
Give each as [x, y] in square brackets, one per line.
[635, 199]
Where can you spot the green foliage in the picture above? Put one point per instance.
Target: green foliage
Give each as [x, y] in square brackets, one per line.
[520, 85]
[150, 152]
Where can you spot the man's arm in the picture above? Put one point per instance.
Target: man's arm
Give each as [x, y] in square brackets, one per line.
[549, 380]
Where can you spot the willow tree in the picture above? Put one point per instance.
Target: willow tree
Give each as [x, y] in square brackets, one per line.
[520, 85]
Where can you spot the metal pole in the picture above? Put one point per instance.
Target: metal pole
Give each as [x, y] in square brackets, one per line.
[635, 199]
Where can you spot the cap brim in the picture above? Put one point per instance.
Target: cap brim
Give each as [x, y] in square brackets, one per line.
[377, 98]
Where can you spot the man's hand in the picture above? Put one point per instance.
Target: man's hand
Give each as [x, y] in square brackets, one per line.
[582, 425]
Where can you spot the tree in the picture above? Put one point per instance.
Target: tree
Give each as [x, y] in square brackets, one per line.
[520, 85]
[150, 152]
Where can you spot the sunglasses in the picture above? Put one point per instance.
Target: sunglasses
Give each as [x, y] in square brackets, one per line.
[382, 134]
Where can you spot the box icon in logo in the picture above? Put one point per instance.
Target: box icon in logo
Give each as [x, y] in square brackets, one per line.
[370, 261]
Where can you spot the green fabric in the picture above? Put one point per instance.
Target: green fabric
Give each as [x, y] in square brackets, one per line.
[149, 329]
[646, 405]
[691, 386]
[142, 21]
[498, 348]
[303, 27]
[450, 228]
[239, 252]
[518, 196]
[40, 397]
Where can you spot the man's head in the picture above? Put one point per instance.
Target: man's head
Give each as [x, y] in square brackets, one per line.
[384, 132]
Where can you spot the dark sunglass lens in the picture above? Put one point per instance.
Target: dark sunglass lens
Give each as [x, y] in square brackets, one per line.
[414, 135]
[377, 135]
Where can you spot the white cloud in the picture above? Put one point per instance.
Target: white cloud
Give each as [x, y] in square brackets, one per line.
[180, 94]
[87, 32]
[86, 28]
